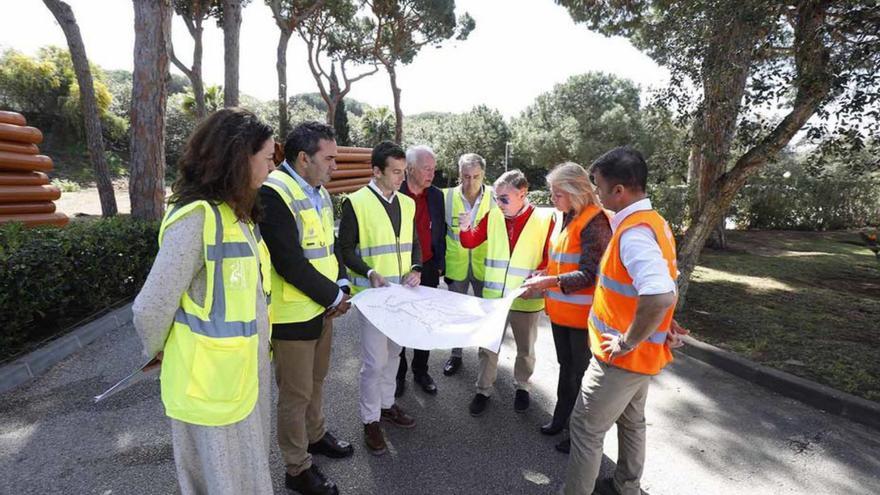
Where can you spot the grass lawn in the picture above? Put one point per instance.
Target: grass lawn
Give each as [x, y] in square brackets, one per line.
[804, 302]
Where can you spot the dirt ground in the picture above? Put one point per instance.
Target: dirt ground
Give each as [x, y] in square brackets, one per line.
[86, 202]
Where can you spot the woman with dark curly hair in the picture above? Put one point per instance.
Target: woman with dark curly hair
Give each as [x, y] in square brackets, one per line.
[203, 309]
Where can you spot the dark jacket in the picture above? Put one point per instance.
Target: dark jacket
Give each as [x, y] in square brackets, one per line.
[279, 230]
[438, 224]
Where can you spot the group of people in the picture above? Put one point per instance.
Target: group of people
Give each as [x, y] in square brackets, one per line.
[249, 267]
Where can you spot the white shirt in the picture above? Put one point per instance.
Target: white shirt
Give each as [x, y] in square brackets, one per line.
[374, 187]
[641, 254]
[472, 209]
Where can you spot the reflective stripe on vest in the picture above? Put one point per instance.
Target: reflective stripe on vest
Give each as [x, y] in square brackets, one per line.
[564, 255]
[460, 260]
[315, 229]
[380, 249]
[506, 271]
[657, 337]
[209, 372]
[615, 301]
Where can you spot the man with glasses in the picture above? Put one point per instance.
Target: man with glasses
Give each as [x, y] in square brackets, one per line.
[464, 267]
[516, 234]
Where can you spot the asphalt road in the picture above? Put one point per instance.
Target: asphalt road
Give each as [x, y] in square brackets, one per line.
[708, 433]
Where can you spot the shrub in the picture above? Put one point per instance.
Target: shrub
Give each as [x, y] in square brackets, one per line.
[671, 202]
[337, 199]
[808, 203]
[540, 197]
[66, 185]
[52, 277]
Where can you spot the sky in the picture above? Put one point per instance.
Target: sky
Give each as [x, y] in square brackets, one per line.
[518, 50]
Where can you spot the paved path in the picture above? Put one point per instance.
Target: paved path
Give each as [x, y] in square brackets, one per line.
[708, 433]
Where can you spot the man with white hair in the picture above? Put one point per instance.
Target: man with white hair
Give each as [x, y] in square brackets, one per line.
[431, 230]
[464, 267]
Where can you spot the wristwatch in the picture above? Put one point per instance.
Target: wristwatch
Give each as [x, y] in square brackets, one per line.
[623, 345]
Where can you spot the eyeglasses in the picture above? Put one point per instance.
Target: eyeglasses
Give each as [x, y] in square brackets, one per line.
[503, 199]
[593, 179]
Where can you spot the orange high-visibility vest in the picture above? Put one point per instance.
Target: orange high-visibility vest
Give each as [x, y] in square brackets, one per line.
[570, 310]
[615, 300]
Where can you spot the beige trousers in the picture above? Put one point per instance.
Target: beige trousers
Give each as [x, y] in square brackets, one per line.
[525, 331]
[300, 369]
[608, 395]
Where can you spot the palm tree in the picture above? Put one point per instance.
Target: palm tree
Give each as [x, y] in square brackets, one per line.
[378, 125]
[213, 100]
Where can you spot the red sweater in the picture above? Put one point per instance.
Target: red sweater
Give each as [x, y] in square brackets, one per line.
[423, 223]
[476, 236]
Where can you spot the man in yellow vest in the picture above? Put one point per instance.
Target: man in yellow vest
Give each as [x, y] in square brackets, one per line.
[629, 324]
[517, 235]
[464, 267]
[379, 245]
[309, 289]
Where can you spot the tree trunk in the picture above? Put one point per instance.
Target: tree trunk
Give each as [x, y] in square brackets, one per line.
[725, 70]
[91, 116]
[398, 113]
[331, 111]
[198, 83]
[281, 66]
[152, 22]
[813, 84]
[231, 32]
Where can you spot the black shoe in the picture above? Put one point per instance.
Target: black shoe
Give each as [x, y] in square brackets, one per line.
[401, 387]
[452, 366]
[521, 401]
[426, 382]
[478, 405]
[329, 446]
[563, 446]
[310, 482]
[605, 486]
[552, 428]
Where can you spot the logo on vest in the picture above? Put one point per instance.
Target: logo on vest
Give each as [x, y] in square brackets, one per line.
[236, 274]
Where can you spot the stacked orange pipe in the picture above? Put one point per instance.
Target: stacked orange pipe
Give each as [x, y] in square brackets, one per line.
[353, 170]
[25, 193]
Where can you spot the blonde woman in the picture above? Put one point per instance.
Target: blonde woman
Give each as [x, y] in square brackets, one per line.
[577, 243]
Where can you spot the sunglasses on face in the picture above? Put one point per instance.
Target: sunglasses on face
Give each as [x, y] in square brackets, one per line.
[503, 199]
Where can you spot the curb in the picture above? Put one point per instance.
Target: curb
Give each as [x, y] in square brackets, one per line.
[811, 393]
[37, 362]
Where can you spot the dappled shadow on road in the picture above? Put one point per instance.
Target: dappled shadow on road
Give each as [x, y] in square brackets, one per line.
[55, 438]
[450, 451]
[723, 421]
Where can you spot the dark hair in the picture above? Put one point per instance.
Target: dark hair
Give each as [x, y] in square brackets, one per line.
[215, 161]
[623, 165]
[385, 150]
[306, 137]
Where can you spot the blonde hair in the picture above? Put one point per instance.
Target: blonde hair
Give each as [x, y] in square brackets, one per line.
[573, 179]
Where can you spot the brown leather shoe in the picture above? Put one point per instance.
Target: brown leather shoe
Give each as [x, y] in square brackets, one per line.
[396, 416]
[374, 438]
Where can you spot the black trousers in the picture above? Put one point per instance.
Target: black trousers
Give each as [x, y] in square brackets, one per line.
[430, 278]
[573, 354]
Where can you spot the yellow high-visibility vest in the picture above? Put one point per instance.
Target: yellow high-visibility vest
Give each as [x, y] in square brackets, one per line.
[458, 258]
[506, 271]
[384, 252]
[291, 305]
[209, 370]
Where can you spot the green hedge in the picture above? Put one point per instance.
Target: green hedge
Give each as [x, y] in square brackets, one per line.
[808, 203]
[53, 277]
